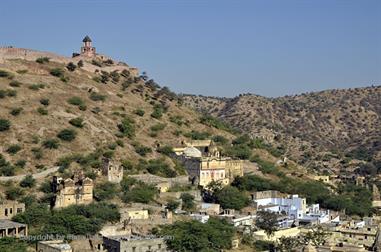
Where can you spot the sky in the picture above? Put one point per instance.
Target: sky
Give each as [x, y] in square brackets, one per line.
[214, 47]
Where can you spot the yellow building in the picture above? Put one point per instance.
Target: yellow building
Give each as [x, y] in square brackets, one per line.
[8, 209]
[204, 163]
[135, 214]
[72, 192]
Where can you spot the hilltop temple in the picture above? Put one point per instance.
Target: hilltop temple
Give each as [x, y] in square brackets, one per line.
[87, 49]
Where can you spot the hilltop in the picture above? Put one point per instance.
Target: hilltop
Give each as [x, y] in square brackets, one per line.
[330, 130]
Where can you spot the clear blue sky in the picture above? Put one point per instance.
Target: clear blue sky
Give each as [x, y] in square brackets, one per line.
[214, 47]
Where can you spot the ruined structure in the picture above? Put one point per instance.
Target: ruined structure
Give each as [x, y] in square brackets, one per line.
[71, 191]
[205, 164]
[112, 171]
[376, 202]
[12, 229]
[134, 244]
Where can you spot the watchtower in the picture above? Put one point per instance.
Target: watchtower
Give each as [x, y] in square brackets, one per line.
[87, 49]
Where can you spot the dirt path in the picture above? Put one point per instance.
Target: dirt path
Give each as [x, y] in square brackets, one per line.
[35, 175]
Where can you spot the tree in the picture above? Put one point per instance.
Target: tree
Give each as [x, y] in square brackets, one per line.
[316, 236]
[231, 198]
[28, 181]
[80, 63]
[51, 144]
[127, 127]
[77, 122]
[187, 199]
[71, 66]
[67, 135]
[57, 72]
[268, 221]
[4, 124]
[172, 205]
[213, 236]
[11, 244]
[105, 191]
[288, 243]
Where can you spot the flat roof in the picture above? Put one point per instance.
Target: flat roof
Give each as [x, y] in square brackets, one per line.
[10, 224]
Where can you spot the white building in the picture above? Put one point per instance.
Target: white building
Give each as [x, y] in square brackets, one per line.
[292, 206]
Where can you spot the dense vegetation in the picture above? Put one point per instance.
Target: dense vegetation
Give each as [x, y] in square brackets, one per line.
[77, 219]
[354, 199]
[215, 235]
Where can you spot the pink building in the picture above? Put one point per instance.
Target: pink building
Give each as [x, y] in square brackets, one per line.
[87, 49]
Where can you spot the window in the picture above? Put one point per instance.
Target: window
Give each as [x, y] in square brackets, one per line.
[159, 246]
[10, 210]
[6, 211]
[133, 249]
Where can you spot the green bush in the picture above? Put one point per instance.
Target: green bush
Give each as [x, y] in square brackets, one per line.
[13, 149]
[22, 71]
[172, 205]
[45, 101]
[77, 122]
[105, 191]
[4, 124]
[97, 97]
[28, 181]
[20, 163]
[188, 201]
[42, 60]
[165, 150]
[72, 220]
[36, 87]
[15, 84]
[214, 236]
[158, 127]
[13, 244]
[37, 153]
[80, 63]
[71, 66]
[8, 92]
[5, 74]
[57, 72]
[179, 120]
[220, 139]
[159, 167]
[6, 169]
[216, 123]
[67, 135]
[239, 151]
[15, 111]
[158, 111]
[142, 150]
[139, 112]
[197, 135]
[42, 111]
[231, 198]
[127, 127]
[51, 144]
[96, 63]
[13, 192]
[140, 193]
[127, 165]
[76, 101]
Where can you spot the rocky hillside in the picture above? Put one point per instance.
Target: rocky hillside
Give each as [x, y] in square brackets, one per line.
[328, 130]
[53, 111]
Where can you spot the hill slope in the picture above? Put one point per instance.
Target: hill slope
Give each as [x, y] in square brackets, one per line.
[39, 100]
[330, 127]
